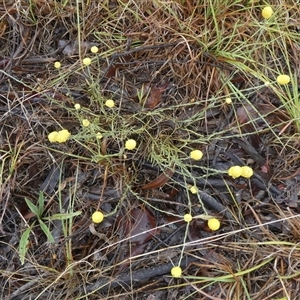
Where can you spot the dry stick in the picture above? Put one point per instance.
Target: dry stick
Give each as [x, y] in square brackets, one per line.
[136, 276]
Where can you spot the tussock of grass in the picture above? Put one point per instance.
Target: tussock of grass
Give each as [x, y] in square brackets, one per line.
[169, 67]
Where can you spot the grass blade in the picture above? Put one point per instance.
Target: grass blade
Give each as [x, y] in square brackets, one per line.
[33, 207]
[23, 244]
[47, 231]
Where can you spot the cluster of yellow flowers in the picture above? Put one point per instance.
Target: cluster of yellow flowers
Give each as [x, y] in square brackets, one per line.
[59, 136]
[237, 171]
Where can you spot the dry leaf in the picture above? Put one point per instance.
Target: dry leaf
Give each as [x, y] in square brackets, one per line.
[160, 180]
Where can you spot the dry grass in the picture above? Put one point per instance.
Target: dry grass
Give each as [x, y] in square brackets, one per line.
[168, 66]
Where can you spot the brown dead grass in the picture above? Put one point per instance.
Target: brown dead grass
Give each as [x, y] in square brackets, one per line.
[178, 51]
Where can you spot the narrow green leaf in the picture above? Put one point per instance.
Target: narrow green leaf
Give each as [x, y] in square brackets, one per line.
[41, 203]
[23, 244]
[47, 231]
[62, 216]
[32, 207]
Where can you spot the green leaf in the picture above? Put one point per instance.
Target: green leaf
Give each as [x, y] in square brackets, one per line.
[47, 231]
[41, 203]
[62, 216]
[23, 244]
[32, 207]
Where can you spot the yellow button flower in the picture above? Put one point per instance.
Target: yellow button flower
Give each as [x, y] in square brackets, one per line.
[194, 190]
[130, 144]
[247, 172]
[99, 135]
[52, 136]
[86, 61]
[196, 154]
[86, 123]
[228, 100]
[267, 12]
[97, 217]
[63, 136]
[94, 49]
[283, 79]
[187, 218]
[176, 272]
[59, 137]
[213, 224]
[77, 106]
[110, 103]
[235, 171]
[57, 65]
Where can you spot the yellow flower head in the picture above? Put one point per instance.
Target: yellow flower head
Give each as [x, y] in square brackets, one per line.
[63, 136]
[52, 136]
[196, 154]
[235, 171]
[59, 137]
[176, 272]
[130, 144]
[86, 61]
[97, 217]
[86, 123]
[228, 100]
[187, 218]
[77, 106]
[110, 103]
[99, 135]
[247, 172]
[57, 65]
[213, 224]
[283, 79]
[94, 49]
[193, 189]
[267, 12]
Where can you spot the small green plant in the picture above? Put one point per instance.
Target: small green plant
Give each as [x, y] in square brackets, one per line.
[38, 211]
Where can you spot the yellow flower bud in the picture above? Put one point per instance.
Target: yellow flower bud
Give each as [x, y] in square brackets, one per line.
[283, 79]
[176, 272]
[247, 172]
[130, 144]
[267, 12]
[94, 49]
[97, 217]
[99, 135]
[187, 218]
[57, 65]
[52, 136]
[196, 154]
[235, 171]
[63, 136]
[110, 103]
[86, 123]
[86, 61]
[194, 190]
[228, 100]
[77, 106]
[213, 224]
